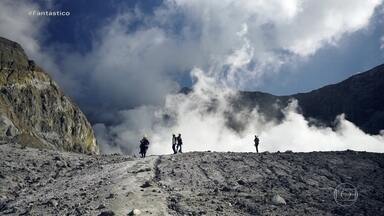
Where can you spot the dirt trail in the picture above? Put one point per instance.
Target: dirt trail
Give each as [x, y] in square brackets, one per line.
[134, 187]
[42, 182]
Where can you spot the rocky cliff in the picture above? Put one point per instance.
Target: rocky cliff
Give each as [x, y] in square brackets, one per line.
[33, 110]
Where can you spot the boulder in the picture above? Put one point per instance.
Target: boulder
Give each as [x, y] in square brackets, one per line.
[7, 128]
[135, 212]
[107, 213]
[278, 200]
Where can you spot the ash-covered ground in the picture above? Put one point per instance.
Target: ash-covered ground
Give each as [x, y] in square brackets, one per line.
[45, 182]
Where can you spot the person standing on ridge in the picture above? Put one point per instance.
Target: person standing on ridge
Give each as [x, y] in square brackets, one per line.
[179, 143]
[144, 144]
[257, 143]
[174, 142]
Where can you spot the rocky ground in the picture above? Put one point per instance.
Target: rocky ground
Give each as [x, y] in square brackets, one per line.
[45, 182]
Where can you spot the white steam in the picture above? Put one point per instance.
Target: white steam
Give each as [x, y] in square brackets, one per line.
[200, 117]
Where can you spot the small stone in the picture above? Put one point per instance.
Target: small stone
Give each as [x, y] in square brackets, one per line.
[61, 164]
[77, 205]
[3, 205]
[226, 189]
[241, 182]
[278, 200]
[101, 206]
[110, 196]
[135, 212]
[10, 210]
[146, 184]
[54, 202]
[107, 213]
[219, 208]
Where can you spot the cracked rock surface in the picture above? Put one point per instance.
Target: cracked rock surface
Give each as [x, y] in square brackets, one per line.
[203, 183]
[48, 182]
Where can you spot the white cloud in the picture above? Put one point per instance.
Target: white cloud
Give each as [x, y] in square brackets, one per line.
[17, 25]
[298, 26]
[235, 41]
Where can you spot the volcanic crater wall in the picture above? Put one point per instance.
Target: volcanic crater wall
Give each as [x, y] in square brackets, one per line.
[34, 111]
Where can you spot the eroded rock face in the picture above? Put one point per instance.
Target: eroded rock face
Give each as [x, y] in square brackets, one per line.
[34, 111]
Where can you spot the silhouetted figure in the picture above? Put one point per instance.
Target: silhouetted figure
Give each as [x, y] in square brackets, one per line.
[257, 143]
[174, 143]
[179, 143]
[144, 144]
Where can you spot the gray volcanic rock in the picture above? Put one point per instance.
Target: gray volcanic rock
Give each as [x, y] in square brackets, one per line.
[32, 183]
[34, 111]
[201, 183]
[195, 183]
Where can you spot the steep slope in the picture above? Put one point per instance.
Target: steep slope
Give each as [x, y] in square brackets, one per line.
[33, 110]
[46, 182]
[359, 97]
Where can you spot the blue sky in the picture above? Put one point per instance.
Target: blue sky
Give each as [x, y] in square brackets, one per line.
[77, 30]
[356, 53]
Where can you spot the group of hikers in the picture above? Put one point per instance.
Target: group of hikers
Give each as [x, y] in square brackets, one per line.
[177, 143]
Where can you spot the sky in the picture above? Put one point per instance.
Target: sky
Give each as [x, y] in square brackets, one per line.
[340, 55]
[356, 52]
[121, 59]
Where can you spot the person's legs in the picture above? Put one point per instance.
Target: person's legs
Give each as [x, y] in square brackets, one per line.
[180, 149]
[257, 148]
